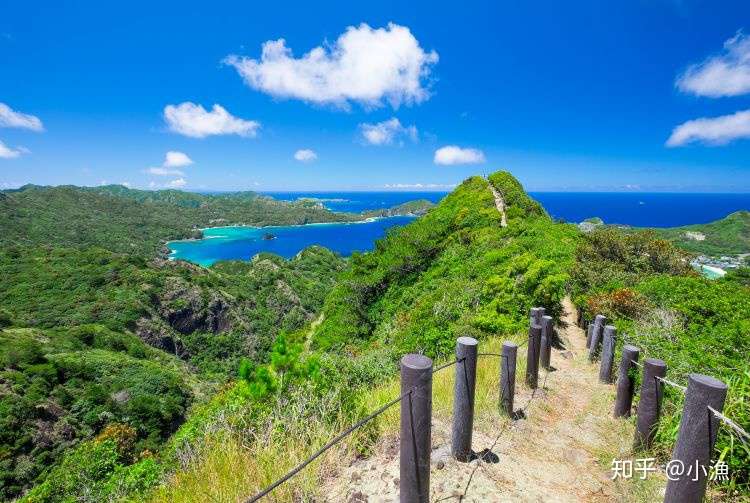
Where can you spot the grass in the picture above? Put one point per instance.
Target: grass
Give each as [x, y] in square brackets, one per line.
[487, 388]
[227, 469]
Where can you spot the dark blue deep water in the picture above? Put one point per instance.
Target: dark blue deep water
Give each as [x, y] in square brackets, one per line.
[636, 209]
[646, 209]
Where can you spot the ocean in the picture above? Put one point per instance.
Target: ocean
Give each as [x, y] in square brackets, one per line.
[645, 209]
[639, 209]
[636, 209]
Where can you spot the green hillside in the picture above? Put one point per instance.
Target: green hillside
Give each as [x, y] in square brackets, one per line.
[136, 221]
[728, 236]
[126, 378]
[126, 220]
[453, 272]
[95, 338]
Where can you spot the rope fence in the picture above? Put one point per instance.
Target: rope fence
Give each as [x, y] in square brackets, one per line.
[701, 414]
[416, 406]
[704, 401]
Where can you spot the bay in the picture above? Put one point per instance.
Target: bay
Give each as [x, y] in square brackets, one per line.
[242, 243]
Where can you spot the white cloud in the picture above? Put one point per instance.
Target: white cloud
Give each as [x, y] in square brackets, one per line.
[386, 132]
[305, 155]
[193, 120]
[177, 183]
[160, 171]
[7, 152]
[363, 65]
[452, 154]
[11, 118]
[712, 130]
[174, 159]
[726, 74]
[126, 184]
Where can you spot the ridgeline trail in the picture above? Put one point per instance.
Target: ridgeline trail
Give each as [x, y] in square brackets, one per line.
[500, 205]
[559, 450]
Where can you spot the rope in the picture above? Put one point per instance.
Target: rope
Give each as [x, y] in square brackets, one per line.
[731, 424]
[446, 365]
[341, 436]
[667, 381]
[330, 444]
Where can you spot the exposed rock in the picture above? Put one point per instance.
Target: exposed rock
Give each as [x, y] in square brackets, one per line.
[121, 396]
[183, 306]
[156, 335]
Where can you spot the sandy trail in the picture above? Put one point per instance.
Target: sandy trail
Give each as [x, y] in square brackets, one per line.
[550, 455]
[500, 204]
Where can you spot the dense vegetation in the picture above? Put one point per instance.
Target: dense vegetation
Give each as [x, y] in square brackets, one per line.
[728, 236]
[138, 221]
[114, 366]
[95, 337]
[453, 272]
[645, 286]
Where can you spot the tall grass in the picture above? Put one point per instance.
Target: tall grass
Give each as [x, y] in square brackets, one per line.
[231, 466]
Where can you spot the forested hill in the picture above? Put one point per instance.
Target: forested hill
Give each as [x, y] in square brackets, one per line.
[727, 236]
[127, 379]
[446, 272]
[120, 219]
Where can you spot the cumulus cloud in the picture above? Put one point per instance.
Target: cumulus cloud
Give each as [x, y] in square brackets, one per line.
[173, 160]
[11, 118]
[7, 152]
[177, 183]
[712, 130]
[453, 154]
[363, 65]
[305, 155]
[386, 132]
[725, 74]
[193, 120]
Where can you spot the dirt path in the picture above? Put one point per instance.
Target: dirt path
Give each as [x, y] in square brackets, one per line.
[550, 455]
[500, 204]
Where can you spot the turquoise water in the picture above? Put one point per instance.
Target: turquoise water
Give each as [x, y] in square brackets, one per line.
[242, 243]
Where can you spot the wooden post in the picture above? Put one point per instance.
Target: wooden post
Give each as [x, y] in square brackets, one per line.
[508, 377]
[548, 334]
[463, 398]
[696, 438]
[535, 317]
[416, 421]
[625, 383]
[608, 354]
[589, 331]
[532, 357]
[649, 406]
[596, 336]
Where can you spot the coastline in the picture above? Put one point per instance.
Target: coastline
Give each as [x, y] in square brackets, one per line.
[173, 253]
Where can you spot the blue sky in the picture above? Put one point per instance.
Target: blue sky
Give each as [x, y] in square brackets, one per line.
[647, 95]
